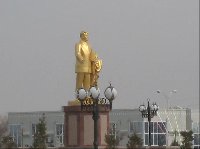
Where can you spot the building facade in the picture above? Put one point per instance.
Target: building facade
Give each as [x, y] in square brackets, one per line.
[123, 123]
[163, 126]
[22, 127]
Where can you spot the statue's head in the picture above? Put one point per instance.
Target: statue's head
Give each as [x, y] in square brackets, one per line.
[84, 36]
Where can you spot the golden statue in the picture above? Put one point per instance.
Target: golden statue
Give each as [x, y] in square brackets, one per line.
[88, 65]
[96, 66]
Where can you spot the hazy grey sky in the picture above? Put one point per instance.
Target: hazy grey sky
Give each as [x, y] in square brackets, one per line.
[145, 45]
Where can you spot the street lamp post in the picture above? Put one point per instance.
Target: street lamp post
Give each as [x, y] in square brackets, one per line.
[91, 101]
[22, 134]
[167, 98]
[149, 112]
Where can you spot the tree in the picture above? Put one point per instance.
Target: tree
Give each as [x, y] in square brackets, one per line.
[134, 141]
[40, 135]
[175, 142]
[3, 128]
[187, 139]
[7, 142]
[112, 141]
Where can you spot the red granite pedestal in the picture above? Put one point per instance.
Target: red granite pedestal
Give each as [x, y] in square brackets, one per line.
[79, 127]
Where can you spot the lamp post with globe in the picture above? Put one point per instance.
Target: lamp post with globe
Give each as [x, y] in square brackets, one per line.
[167, 98]
[149, 112]
[91, 102]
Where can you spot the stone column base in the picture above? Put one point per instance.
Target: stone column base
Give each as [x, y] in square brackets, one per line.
[79, 127]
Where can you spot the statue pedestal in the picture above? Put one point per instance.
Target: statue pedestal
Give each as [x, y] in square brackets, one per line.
[79, 127]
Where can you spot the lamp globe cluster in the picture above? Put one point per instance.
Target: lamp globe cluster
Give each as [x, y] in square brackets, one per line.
[94, 92]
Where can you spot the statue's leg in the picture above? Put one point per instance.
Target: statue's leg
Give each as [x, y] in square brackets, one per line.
[92, 79]
[86, 81]
[79, 80]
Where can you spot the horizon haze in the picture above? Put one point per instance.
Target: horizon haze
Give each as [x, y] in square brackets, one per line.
[145, 46]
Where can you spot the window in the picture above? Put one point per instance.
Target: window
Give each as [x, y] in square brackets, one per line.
[60, 133]
[155, 127]
[196, 139]
[33, 129]
[161, 139]
[155, 139]
[16, 133]
[151, 127]
[161, 127]
[196, 134]
[146, 127]
[146, 139]
[158, 133]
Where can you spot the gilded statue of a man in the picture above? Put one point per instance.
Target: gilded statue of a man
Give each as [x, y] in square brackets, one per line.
[87, 63]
